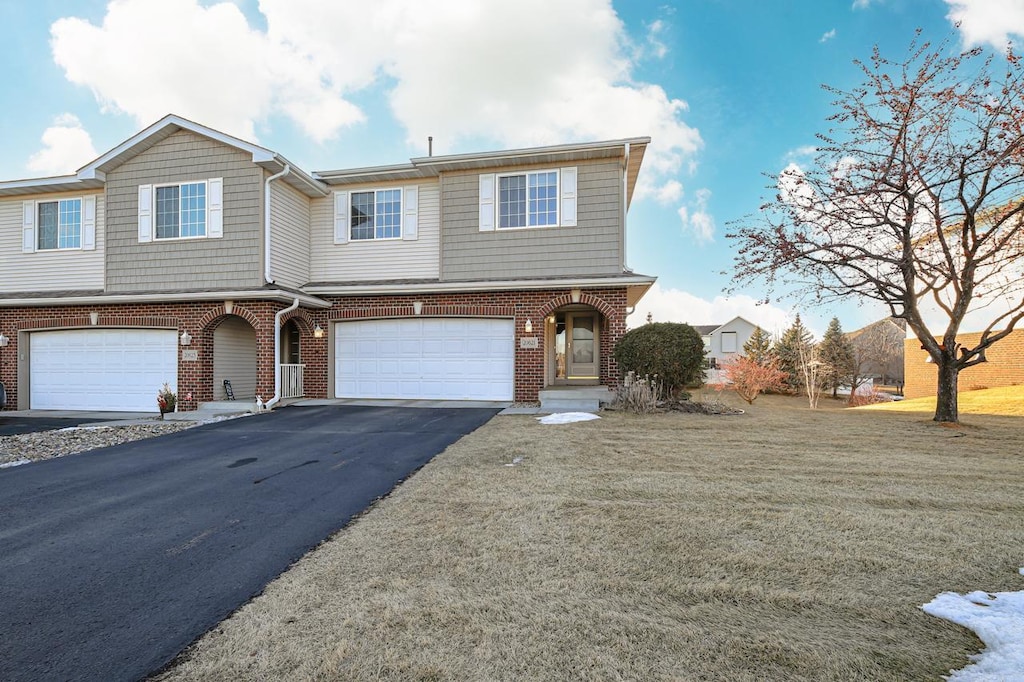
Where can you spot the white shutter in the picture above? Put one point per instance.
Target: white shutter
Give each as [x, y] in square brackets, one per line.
[145, 213]
[215, 207]
[89, 224]
[410, 220]
[487, 202]
[340, 217]
[28, 226]
[568, 196]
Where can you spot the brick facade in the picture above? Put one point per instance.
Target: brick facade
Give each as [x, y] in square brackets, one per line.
[199, 319]
[1005, 366]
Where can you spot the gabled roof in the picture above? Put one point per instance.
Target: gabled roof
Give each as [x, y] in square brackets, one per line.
[708, 329]
[93, 174]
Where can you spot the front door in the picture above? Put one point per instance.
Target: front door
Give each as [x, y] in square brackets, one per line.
[577, 348]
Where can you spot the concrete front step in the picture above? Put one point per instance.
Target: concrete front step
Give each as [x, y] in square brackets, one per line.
[213, 409]
[575, 398]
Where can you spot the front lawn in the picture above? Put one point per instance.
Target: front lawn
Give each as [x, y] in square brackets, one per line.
[782, 544]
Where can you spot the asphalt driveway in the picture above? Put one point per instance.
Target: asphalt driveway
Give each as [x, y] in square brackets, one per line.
[113, 561]
[10, 426]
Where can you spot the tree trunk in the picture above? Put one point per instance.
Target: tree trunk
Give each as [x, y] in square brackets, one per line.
[946, 399]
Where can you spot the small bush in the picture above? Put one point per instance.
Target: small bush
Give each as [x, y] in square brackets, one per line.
[858, 399]
[671, 351]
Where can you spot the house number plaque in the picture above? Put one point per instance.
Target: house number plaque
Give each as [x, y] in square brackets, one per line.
[190, 355]
[528, 342]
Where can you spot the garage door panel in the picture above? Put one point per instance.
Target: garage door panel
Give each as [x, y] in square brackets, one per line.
[426, 358]
[101, 369]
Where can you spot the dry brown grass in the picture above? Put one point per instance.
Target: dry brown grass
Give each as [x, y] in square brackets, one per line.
[1007, 401]
[783, 544]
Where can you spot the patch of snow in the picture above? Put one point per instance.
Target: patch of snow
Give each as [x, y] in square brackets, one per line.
[998, 620]
[515, 461]
[567, 417]
[15, 463]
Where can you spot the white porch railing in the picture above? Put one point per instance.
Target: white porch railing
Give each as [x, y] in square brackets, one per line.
[291, 381]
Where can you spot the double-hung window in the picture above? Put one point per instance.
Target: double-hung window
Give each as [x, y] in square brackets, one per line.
[59, 224]
[181, 210]
[376, 214]
[528, 199]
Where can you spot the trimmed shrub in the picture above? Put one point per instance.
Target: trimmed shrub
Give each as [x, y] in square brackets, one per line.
[671, 352]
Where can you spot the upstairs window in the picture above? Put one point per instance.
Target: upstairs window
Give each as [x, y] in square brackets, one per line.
[376, 215]
[528, 200]
[60, 224]
[181, 210]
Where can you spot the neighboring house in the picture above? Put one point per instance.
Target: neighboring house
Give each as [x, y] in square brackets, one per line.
[879, 349]
[1004, 366]
[188, 256]
[723, 342]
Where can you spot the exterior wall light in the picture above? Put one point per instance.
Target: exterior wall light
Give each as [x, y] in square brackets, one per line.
[4, 341]
[318, 332]
[528, 326]
[186, 339]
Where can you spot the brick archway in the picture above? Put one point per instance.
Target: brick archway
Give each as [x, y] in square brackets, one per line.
[585, 299]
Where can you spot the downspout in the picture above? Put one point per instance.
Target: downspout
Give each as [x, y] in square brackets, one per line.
[267, 277]
[625, 208]
[277, 351]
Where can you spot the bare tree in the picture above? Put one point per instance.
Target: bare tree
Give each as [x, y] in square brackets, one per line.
[916, 200]
[877, 351]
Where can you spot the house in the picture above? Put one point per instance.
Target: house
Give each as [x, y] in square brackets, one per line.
[1003, 366]
[878, 351]
[188, 256]
[722, 342]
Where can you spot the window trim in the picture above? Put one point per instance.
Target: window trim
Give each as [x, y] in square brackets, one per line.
[374, 190]
[206, 210]
[526, 175]
[38, 225]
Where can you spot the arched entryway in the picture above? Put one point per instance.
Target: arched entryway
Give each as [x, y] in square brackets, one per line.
[234, 359]
[574, 339]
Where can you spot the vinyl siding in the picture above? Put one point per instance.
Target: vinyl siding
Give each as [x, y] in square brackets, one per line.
[235, 260]
[234, 358]
[376, 260]
[592, 247]
[49, 270]
[289, 235]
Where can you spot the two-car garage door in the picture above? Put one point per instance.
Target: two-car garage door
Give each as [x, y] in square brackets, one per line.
[101, 369]
[425, 358]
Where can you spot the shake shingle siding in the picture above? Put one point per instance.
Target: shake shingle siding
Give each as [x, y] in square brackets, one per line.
[592, 247]
[234, 260]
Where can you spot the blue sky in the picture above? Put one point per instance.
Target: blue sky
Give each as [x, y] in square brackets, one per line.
[728, 89]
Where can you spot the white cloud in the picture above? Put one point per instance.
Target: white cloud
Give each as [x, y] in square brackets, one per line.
[450, 68]
[987, 21]
[695, 216]
[804, 154]
[675, 305]
[827, 36]
[861, 4]
[656, 47]
[668, 192]
[67, 146]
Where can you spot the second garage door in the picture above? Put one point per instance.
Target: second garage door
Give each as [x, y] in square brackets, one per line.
[425, 358]
[101, 369]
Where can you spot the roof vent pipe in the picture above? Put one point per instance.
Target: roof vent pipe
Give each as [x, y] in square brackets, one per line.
[430, 145]
[267, 276]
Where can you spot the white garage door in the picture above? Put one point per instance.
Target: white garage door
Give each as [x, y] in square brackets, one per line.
[426, 358]
[101, 369]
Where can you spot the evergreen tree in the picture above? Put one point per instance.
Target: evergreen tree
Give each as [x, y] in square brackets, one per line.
[836, 351]
[759, 347]
[787, 350]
